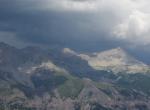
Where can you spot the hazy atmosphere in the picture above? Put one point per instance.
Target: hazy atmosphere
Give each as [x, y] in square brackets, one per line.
[83, 25]
[74, 55]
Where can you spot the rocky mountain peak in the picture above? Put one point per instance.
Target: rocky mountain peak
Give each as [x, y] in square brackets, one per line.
[69, 51]
[117, 52]
[116, 60]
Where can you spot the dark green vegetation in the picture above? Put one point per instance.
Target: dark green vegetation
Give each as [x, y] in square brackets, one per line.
[139, 82]
[71, 88]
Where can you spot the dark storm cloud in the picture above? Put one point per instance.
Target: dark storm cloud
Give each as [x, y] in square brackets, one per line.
[50, 27]
[79, 24]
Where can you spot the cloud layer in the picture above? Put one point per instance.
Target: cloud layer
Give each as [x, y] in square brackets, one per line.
[79, 24]
[131, 22]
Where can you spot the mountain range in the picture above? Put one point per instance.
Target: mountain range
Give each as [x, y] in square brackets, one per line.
[34, 78]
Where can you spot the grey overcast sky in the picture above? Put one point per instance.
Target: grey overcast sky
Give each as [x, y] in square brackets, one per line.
[84, 25]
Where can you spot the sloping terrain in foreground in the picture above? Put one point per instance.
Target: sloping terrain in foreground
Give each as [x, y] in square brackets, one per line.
[38, 79]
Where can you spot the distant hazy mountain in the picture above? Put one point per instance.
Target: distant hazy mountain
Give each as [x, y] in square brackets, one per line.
[37, 79]
[116, 60]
